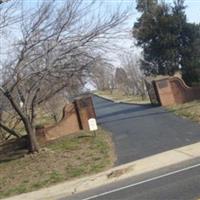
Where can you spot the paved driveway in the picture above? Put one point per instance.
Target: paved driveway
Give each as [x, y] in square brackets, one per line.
[143, 130]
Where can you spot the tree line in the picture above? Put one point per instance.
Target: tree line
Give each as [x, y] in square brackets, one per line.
[127, 78]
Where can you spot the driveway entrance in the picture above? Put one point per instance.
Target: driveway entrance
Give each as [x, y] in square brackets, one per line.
[143, 130]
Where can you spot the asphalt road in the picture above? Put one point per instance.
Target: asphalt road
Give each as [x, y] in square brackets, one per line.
[139, 131]
[181, 182]
[182, 186]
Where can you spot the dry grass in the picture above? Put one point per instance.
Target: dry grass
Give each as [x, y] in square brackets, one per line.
[64, 159]
[119, 96]
[190, 110]
[43, 118]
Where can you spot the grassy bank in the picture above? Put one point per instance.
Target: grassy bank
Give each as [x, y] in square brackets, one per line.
[190, 110]
[120, 96]
[61, 160]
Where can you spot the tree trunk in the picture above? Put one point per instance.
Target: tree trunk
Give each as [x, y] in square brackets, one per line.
[32, 140]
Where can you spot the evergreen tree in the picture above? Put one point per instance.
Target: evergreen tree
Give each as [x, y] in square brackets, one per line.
[145, 5]
[190, 61]
[159, 32]
[168, 41]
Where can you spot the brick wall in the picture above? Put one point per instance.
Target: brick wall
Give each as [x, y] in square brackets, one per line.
[75, 118]
[173, 90]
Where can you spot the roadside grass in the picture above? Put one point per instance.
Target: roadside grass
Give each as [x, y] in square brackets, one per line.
[117, 95]
[190, 110]
[64, 159]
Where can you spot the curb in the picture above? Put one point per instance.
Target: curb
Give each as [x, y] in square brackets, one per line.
[103, 97]
[122, 101]
[131, 169]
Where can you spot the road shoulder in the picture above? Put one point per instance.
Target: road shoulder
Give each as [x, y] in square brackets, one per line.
[133, 169]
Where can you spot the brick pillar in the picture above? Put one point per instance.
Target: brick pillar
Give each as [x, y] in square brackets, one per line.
[85, 110]
[165, 92]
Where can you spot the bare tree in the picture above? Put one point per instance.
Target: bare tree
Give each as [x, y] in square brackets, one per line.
[121, 80]
[3, 1]
[102, 75]
[135, 77]
[57, 43]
